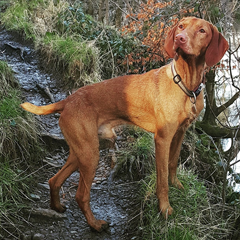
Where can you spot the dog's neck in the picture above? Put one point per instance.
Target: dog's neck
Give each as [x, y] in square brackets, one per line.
[191, 70]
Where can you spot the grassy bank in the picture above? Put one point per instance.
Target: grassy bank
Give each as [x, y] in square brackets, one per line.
[198, 210]
[18, 148]
[74, 57]
[195, 216]
[72, 42]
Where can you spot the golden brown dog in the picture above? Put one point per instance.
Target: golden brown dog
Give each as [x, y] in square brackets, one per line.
[163, 101]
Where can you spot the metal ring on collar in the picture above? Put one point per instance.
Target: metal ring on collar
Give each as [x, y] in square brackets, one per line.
[193, 101]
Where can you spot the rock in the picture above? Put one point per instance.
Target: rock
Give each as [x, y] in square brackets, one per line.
[47, 213]
[38, 236]
[26, 237]
[44, 185]
[34, 196]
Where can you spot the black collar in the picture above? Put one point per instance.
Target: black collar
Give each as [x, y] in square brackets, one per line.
[178, 80]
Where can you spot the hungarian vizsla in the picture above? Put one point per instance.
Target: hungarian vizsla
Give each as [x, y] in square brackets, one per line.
[163, 101]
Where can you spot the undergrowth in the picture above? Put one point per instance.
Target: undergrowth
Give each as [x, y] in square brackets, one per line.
[137, 157]
[113, 46]
[195, 217]
[14, 188]
[78, 60]
[19, 146]
[36, 20]
[16, 17]
[198, 209]
[72, 41]
[17, 128]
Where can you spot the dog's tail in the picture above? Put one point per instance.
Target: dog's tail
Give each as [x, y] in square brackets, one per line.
[44, 110]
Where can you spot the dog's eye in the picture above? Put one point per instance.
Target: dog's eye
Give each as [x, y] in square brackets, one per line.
[202, 30]
[180, 26]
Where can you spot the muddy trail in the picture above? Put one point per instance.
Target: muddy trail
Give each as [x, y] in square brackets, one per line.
[114, 201]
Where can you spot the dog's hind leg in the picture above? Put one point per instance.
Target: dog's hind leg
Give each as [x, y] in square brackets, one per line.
[56, 182]
[79, 127]
[88, 160]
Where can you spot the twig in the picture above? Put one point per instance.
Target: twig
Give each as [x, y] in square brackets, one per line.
[47, 92]
[16, 48]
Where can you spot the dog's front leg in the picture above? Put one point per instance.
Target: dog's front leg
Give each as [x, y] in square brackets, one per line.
[162, 146]
[173, 157]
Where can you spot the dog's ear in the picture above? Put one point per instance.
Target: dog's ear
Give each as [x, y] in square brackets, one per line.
[217, 47]
[169, 41]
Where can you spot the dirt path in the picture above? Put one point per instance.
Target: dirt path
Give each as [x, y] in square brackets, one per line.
[114, 202]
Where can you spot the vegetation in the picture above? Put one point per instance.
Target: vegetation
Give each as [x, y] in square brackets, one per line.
[113, 47]
[55, 25]
[19, 146]
[17, 17]
[198, 212]
[78, 60]
[195, 216]
[87, 48]
[18, 129]
[137, 157]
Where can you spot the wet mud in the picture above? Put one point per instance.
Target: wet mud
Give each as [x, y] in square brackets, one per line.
[114, 201]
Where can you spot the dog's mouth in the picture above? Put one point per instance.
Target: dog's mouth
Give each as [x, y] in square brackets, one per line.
[182, 49]
[184, 54]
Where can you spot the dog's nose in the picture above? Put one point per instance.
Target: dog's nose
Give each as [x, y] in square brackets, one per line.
[181, 38]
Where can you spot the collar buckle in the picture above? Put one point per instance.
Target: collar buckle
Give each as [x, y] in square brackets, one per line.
[177, 78]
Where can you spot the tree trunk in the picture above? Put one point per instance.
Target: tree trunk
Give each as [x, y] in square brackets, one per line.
[210, 112]
[100, 11]
[118, 16]
[90, 9]
[107, 13]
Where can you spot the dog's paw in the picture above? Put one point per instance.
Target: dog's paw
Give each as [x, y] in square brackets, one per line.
[176, 183]
[58, 208]
[99, 225]
[166, 211]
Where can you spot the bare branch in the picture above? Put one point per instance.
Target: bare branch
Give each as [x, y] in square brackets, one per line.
[230, 68]
[219, 132]
[227, 104]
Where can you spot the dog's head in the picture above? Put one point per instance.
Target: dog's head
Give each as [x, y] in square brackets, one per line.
[196, 37]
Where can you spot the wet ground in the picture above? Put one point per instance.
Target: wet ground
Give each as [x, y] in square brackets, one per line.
[115, 202]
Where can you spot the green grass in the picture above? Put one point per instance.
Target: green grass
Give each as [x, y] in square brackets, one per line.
[82, 42]
[137, 157]
[11, 186]
[17, 128]
[14, 187]
[9, 106]
[18, 131]
[19, 146]
[194, 216]
[77, 58]
[17, 16]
